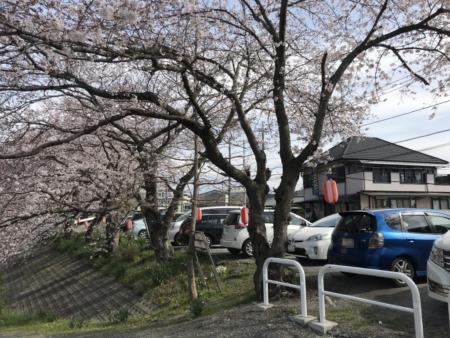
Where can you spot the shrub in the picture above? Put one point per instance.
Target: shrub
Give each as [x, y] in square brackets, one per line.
[159, 274]
[197, 306]
[119, 271]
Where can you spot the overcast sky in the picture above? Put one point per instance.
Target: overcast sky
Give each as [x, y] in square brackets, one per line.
[401, 118]
[407, 118]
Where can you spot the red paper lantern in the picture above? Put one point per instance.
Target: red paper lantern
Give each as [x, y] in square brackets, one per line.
[330, 191]
[199, 214]
[244, 215]
[129, 224]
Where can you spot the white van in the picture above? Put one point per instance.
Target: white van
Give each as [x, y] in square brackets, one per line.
[438, 269]
[174, 230]
[235, 236]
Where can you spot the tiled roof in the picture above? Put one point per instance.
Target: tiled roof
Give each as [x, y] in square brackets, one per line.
[375, 149]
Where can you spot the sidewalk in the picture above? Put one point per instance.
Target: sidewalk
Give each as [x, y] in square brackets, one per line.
[54, 282]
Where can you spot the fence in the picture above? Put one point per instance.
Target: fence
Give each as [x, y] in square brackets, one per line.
[416, 309]
[303, 318]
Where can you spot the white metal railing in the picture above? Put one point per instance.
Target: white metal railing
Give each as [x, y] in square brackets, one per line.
[301, 286]
[448, 307]
[416, 309]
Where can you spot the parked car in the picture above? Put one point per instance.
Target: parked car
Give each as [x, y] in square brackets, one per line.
[174, 230]
[390, 239]
[138, 225]
[438, 269]
[314, 240]
[235, 236]
[210, 225]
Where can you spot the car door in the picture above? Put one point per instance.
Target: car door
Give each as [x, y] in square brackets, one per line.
[420, 236]
[216, 223]
[268, 219]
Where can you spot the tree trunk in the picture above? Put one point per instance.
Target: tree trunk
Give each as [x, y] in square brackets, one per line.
[257, 230]
[283, 198]
[158, 228]
[90, 230]
[113, 232]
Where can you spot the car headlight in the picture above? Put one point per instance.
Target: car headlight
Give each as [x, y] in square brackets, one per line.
[437, 256]
[318, 237]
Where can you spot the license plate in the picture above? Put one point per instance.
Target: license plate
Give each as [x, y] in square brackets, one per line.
[348, 243]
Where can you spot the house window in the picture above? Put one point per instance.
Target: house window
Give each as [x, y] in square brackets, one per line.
[354, 167]
[413, 175]
[338, 174]
[381, 175]
[441, 203]
[307, 181]
[382, 203]
[403, 203]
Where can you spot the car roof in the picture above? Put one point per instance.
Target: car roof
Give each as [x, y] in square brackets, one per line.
[265, 210]
[391, 210]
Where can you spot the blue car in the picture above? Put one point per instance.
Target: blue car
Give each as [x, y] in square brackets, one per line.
[390, 239]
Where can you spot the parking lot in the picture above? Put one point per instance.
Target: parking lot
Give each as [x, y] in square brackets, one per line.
[435, 317]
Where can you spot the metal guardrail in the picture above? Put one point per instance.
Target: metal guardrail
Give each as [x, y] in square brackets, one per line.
[303, 318]
[416, 309]
[448, 307]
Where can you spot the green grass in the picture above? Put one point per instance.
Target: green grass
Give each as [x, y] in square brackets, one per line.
[164, 286]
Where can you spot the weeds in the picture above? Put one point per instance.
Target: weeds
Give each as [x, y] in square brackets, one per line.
[159, 274]
[197, 306]
[119, 317]
[77, 323]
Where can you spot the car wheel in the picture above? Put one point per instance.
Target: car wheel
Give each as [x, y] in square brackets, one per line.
[404, 266]
[247, 248]
[208, 240]
[177, 240]
[234, 251]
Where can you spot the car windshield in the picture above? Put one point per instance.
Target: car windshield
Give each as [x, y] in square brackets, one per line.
[357, 223]
[328, 221]
[182, 217]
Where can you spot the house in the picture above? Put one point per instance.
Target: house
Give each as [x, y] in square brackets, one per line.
[373, 173]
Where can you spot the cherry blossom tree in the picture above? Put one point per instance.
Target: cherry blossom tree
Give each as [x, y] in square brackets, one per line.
[305, 71]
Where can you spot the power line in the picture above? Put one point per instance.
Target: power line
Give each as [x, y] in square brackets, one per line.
[407, 113]
[426, 135]
[437, 146]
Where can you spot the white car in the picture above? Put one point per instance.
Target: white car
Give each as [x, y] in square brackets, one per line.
[235, 236]
[313, 241]
[438, 269]
[174, 230]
